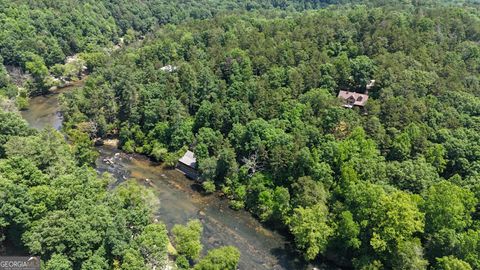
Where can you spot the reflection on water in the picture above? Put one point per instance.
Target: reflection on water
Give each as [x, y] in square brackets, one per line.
[44, 111]
[260, 248]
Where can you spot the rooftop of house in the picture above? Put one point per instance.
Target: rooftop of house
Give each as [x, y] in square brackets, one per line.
[353, 98]
[189, 159]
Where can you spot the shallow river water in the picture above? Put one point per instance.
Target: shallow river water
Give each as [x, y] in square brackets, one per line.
[260, 247]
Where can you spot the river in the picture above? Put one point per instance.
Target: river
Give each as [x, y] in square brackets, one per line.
[260, 247]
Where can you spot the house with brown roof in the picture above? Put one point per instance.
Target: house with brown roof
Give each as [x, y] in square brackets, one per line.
[351, 99]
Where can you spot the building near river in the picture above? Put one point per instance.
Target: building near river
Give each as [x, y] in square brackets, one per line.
[188, 165]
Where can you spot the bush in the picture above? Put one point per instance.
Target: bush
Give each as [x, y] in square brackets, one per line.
[159, 153]
[225, 258]
[237, 205]
[208, 186]
[129, 146]
[182, 263]
[22, 103]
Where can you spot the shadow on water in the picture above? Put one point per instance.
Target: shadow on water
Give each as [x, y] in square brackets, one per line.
[260, 247]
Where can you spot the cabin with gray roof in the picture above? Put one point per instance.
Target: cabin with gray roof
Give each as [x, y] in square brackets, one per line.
[188, 165]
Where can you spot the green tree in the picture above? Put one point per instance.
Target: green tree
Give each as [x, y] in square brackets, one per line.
[387, 220]
[308, 192]
[208, 168]
[413, 175]
[58, 262]
[348, 231]
[4, 78]
[227, 166]
[133, 260]
[409, 255]
[132, 207]
[451, 263]
[208, 143]
[311, 229]
[83, 147]
[225, 258]
[363, 69]
[447, 206]
[273, 205]
[96, 262]
[36, 66]
[209, 186]
[152, 243]
[11, 125]
[187, 239]
[73, 232]
[182, 262]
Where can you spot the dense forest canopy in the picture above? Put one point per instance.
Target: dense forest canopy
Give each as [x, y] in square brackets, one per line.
[55, 29]
[394, 185]
[37, 35]
[251, 87]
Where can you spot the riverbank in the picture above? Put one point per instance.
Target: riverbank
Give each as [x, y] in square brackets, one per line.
[260, 247]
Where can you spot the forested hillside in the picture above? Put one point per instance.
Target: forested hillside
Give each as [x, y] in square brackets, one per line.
[392, 186]
[56, 29]
[251, 87]
[37, 36]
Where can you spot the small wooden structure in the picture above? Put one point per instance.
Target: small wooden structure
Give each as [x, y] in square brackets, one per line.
[351, 99]
[188, 165]
[370, 85]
